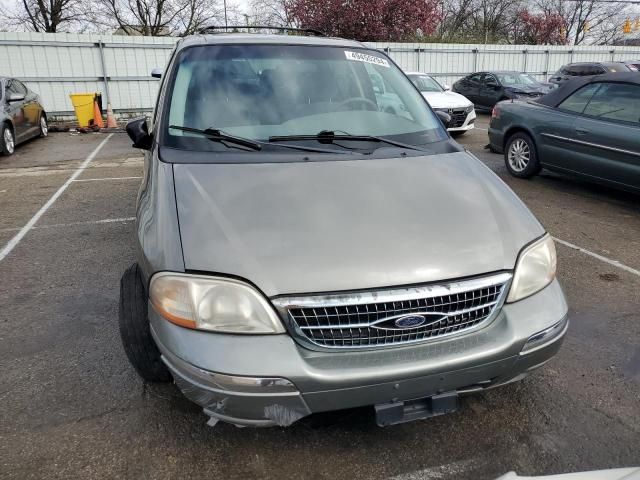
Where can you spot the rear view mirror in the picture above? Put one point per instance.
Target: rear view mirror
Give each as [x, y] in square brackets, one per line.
[15, 97]
[139, 132]
[444, 117]
[156, 73]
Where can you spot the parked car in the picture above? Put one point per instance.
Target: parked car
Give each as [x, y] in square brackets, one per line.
[485, 89]
[461, 110]
[21, 115]
[301, 251]
[387, 100]
[589, 127]
[587, 69]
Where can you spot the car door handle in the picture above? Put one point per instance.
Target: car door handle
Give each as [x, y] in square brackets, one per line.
[582, 131]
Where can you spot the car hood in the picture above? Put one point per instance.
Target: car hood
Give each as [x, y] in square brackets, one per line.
[342, 225]
[446, 100]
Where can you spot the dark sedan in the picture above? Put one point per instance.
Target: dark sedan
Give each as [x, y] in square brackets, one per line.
[587, 69]
[589, 127]
[21, 115]
[485, 89]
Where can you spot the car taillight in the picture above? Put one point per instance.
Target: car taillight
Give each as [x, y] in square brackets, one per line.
[495, 113]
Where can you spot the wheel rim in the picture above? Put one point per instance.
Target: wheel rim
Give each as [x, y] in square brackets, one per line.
[519, 155]
[44, 127]
[9, 143]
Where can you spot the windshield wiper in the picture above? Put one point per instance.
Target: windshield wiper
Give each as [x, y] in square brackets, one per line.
[328, 137]
[222, 137]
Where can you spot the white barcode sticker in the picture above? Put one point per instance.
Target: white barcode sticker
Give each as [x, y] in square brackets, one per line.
[365, 57]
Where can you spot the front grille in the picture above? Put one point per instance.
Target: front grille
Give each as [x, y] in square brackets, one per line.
[393, 317]
[458, 117]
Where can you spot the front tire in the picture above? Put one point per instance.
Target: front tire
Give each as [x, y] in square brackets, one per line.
[7, 140]
[520, 156]
[135, 330]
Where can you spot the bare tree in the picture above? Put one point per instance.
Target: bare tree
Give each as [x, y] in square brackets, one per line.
[456, 19]
[274, 13]
[480, 21]
[46, 15]
[494, 18]
[157, 17]
[585, 20]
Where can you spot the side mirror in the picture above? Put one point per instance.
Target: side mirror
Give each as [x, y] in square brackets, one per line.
[139, 132]
[156, 73]
[15, 97]
[444, 117]
[446, 88]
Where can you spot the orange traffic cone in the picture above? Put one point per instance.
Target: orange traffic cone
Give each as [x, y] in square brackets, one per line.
[111, 119]
[97, 116]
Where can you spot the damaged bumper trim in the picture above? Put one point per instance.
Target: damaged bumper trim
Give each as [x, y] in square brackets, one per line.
[240, 400]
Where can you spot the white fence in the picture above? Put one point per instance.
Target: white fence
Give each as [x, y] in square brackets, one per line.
[449, 62]
[55, 65]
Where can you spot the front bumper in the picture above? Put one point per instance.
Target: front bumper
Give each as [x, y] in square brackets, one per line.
[270, 380]
[468, 124]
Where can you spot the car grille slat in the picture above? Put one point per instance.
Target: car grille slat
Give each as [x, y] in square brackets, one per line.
[367, 320]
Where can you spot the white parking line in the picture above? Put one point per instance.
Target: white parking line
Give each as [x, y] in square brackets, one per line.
[105, 179]
[597, 256]
[74, 224]
[24, 230]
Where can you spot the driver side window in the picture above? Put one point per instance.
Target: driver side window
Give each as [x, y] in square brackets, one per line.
[490, 81]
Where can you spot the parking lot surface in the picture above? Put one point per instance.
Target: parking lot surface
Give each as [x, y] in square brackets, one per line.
[73, 407]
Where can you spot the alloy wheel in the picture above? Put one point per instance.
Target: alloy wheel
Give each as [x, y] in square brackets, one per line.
[519, 155]
[9, 142]
[44, 128]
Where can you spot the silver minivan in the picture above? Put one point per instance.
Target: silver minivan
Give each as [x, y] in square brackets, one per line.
[301, 249]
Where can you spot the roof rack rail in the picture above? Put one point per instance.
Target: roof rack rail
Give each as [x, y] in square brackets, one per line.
[238, 28]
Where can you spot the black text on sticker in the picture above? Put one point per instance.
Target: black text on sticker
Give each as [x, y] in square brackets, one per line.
[364, 57]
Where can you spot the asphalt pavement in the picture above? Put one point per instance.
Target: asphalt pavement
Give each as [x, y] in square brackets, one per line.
[73, 407]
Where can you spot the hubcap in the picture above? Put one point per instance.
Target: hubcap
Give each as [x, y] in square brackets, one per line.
[9, 144]
[519, 155]
[43, 126]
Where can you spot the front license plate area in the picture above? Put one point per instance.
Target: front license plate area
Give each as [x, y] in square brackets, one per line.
[402, 412]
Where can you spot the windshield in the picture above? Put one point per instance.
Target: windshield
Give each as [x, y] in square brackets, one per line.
[512, 79]
[262, 91]
[425, 83]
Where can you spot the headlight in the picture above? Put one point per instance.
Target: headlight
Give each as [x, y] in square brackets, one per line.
[535, 269]
[215, 304]
[469, 109]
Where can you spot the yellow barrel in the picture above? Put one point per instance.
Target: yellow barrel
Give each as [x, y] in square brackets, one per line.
[83, 105]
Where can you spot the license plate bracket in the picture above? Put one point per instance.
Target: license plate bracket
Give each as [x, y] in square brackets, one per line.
[394, 413]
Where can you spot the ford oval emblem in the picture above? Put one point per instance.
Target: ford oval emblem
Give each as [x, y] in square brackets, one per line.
[410, 321]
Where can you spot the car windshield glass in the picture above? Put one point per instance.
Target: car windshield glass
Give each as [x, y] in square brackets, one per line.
[262, 91]
[516, 79]
[425, 83]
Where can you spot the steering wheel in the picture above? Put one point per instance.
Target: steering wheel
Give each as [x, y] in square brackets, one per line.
[363, 100]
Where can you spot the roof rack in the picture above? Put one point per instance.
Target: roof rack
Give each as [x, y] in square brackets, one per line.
[238, 28]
